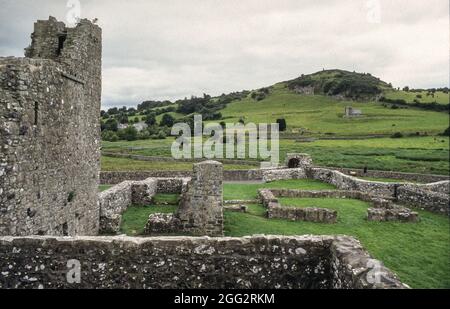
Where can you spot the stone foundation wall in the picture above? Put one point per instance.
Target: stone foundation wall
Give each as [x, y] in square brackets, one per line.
[417, 196]
[422, 178]
[345, 182]
[171, 185]
[439, 187]
[116, 200]
[111, 178]
[307, 214]
[184, 262]
[396, 213]
[283, 174]
[310, 214]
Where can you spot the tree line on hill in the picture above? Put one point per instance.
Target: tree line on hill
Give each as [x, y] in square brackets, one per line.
[147, 112]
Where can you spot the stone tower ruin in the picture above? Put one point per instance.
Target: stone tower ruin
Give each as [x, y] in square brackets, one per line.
[50, 132]
[201, 208]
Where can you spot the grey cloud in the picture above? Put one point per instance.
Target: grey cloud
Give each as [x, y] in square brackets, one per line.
[172, 49]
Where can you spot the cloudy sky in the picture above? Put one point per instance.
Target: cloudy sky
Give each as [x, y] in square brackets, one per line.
[169, 49]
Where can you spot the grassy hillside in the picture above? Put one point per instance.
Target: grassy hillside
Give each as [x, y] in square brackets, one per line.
[343, 83]
[320, 115]
[439, 97]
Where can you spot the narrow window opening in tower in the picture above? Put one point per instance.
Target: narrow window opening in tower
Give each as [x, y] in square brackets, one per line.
[36, 113]
[61, 40]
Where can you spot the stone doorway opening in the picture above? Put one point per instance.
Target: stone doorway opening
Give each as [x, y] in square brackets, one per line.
[294, 163]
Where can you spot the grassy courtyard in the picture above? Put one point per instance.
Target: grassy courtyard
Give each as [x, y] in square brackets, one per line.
[417, 252]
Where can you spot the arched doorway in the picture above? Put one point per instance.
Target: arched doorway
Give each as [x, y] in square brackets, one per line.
[294, 163]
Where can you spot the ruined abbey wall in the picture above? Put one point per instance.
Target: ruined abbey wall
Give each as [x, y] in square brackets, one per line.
[191, 262]
[50, 133]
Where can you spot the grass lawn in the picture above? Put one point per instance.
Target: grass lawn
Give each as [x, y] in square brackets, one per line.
[136, 217]
[429, 155]
[417, 252]
[102, 188]
[125, 164]
[409, 96]
[319, 115]
[239, 191]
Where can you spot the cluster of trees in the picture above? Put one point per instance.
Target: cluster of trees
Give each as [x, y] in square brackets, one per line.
[147, 105]
[337, 82]
[260, 94]
[147, 112]
[430, 92]
[154, 130]
[207, 106]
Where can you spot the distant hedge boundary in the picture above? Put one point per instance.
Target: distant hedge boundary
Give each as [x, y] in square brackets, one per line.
[426, 106]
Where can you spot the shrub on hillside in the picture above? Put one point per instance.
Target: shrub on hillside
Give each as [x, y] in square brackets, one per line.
[397, 135]
[167, 121]
[109, 136]
[282, 124]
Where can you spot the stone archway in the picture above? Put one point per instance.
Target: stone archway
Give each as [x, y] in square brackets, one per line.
[294, 163]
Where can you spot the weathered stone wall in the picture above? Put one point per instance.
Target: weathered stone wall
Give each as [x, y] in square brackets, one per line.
[111, 178]
[201, 206]
[116, 200]
[171, 185]
[422, 178]
[439, 187]
[345, 182]
[396, 213]
[412, 195]
[258, 175]
[50, 133]
[309, 214]
[283, 174]
[186, 262]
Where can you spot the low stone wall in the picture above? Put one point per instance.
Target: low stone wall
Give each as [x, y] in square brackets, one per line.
[171, 185]
[322, 194]
[345, 182]
[422, 178]
[439, 187]
[417, 196]
[310, 214]
[243, 175]
[259, 262]
[283, 174]
[111, 178]
[114, 202]
[396, 213]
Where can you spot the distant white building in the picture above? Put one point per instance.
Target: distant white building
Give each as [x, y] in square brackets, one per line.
[122, 126]
[352, 112]
[139, 126]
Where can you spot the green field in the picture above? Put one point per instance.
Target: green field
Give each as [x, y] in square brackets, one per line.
[417, 252]
[409, 96]
[428, 155]
[125, 164]
[319, 115]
